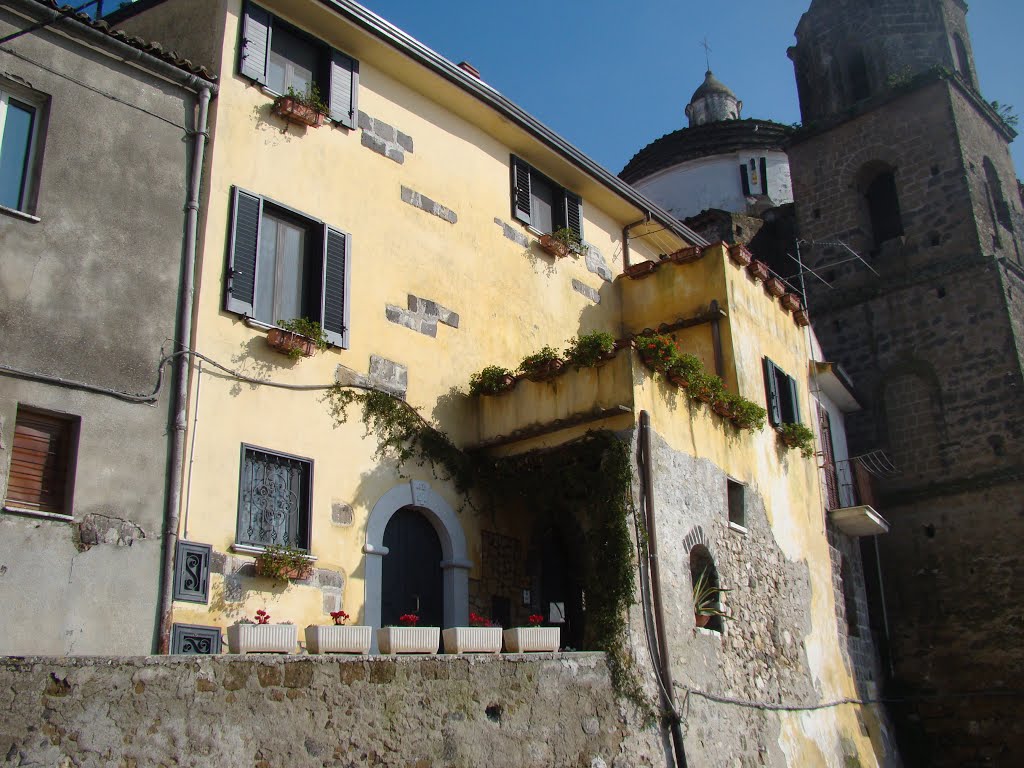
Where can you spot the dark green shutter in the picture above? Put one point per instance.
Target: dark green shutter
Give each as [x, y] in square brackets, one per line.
[245, 239]
[771, 390]
[744, 179]
[344, 89]
[335, 287]
[574, 213]
[521, 190]
[255, 47]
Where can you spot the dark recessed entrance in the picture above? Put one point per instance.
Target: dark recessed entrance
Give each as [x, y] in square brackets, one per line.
[562, 589]
[411, 580]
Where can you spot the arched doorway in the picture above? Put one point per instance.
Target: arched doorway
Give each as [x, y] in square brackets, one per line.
[411, 579]
[454, 565]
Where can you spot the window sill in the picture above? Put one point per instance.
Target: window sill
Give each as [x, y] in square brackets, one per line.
[250, 549]
[14, 510]
[708, 632]
[15, 213]
[737, 527]
[259, 325]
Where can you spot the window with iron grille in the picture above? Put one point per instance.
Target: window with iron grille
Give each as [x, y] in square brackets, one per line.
[274, 499]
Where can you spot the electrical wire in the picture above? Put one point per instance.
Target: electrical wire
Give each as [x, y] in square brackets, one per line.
[769, 706]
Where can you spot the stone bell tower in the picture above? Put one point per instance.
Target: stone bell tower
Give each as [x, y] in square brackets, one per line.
[902, 159]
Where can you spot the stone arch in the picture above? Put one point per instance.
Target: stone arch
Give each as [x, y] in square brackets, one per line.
[455, 565]
[700, 558]
[912, 415]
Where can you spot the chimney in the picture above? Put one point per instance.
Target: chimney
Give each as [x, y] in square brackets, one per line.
[471, 69]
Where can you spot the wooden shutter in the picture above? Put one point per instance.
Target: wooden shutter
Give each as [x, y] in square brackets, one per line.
[829, 460]
[255, 47]
[245, 240]
[574, 213]
[344, 89]
[771, 389]
[335, 287]
[744, 179]
[521, 190]
[764, 176]
[794, 399]
[39, 462]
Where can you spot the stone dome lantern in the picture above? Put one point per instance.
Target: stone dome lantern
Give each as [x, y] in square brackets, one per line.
[712, 102]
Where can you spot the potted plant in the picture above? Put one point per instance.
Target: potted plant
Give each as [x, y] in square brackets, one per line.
[686, 255]
[798, 436]
[492, 380]
[724, 404]
[281, 563]
[801, 318]
[707, 600]
[740, 255]
[541, 365]
[408, 638]
[657, 352]
[747, 414]
[590, 349]
[481, 636]
[337, 637]
[306, 108]
[562, 242]
[640, 269]
[300, 337]
[684, 368]
[706, 388]
[260, 636]
[534, 638]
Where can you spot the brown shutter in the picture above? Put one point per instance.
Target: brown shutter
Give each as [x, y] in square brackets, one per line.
[39, 462]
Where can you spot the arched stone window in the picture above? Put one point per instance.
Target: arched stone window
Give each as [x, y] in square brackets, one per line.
[963, 61]
[702, 563]
[877, 183]
[860, 83]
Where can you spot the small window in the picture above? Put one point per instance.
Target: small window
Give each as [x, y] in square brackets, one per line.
[860, 83]
[274, 499]
[781, 394]
[883, 207]
[42, 462]
[283, 265]
[995, 192]
[541, 203]
[963, 61]
[19, 126]
[737, 513]
[278, 56]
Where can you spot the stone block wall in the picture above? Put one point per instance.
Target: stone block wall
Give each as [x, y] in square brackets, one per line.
[240, 712]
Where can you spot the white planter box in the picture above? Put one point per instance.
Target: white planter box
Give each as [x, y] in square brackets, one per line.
[334, 638]
[262, 638]
[392, 640]
[530, 639]
[472, 640]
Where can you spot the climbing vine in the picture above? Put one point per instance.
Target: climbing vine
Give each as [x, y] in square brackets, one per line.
[590, 477]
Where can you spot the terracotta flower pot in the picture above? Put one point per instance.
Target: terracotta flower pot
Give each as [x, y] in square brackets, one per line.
[722, 409]
[701, 619]
[738, 254]
[758, 269]
[774, 287]
[285, 341]
[800, 318]
[640, 269]
[791, 302]
[685, 255]
[679, 380]
[546, 370]
[294, 112]
[554, 246]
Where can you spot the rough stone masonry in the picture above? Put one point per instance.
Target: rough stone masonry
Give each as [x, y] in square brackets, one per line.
[299, 711]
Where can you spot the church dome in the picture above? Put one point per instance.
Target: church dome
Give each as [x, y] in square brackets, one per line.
[711, 85]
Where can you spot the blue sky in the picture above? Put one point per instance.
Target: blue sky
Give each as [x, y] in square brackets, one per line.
[611, 76]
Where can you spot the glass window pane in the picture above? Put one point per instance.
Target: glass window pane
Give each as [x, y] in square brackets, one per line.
[273, 499]
[542, 198]
[291, 270]
[292, 62]
[266, 269]
[14, 153]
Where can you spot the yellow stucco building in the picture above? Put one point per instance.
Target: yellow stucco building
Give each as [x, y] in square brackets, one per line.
[408, 224]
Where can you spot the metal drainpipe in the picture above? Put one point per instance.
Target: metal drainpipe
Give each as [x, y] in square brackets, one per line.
[625, 238]
[182, 366]
[659, 613]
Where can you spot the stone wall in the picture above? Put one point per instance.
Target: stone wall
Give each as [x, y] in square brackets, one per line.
[317, 711]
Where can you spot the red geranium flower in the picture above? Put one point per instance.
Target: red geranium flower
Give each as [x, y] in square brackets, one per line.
[340, 617]
[262, 617]
[536, 620]
[408, 619]
[475, 620]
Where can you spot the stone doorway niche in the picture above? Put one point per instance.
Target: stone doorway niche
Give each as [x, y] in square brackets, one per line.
[416, 499]
[701, 561]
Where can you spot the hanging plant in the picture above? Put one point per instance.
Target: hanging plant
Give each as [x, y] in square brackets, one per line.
[684, 368]
[747, 414]
[589, 349]
[798, 436]
[541, 365]
[658, 352]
